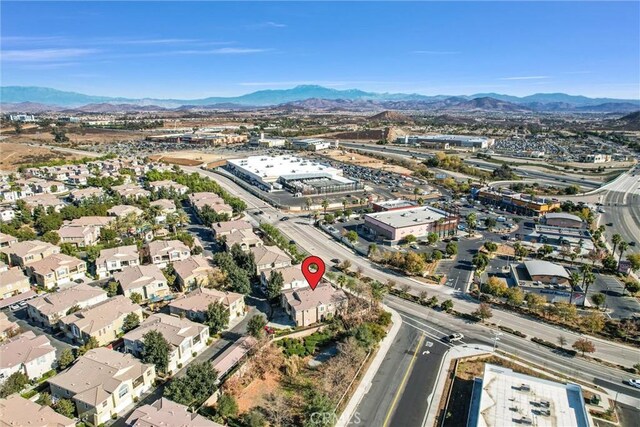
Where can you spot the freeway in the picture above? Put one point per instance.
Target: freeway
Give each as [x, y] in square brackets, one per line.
[484, 165]
[621, 202]
[316, 242]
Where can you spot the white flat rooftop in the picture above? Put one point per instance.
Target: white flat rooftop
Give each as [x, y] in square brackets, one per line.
[408, 217]
[270, 168]
[510, 398]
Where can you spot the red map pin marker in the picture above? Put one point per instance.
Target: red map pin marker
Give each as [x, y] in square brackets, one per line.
[313, 277]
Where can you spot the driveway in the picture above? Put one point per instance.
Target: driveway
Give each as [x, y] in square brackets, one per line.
[20, 317]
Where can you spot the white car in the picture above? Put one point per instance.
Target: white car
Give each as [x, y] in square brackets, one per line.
[454, 337]
[634, 383]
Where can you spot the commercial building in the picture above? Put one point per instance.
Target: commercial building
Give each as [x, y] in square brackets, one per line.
[163, 413]
[446, 141]
[503, 397]
[307, 306]
[519, 203]
[595, 158]
[564, 220]
[392, 205]
[310, 144]
[395, 225]
[16, 411]
[46, 310]
[185, 337]
[103, 382]
[194, 305]
[550, 280]
[264, 142]
[560, 237]
[28, 353]
[295, 174]
[102, 321]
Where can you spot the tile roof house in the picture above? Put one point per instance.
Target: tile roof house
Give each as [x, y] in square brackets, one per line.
[131, 190]
[7, 327]
[7, 214]
[80, 236]
[31, 354]
[246, 239]
[145, 280]
[165, 413]
[46, 310]
[44, 200]
[16, 411]
[102, 321]
[103, 382]
[167, 206]
[270, 257]
[121, 211]
[184, 336]
[57, 270]
[169, 186]
[87, 193]
[306, 306]
[194, 304]
[227, 227]
[7, 240]
[292, 276]
[28, 251]
[215, 202]
[163, 252]
[95, 221]
[13, 282]
[116, 259]
[193, 271]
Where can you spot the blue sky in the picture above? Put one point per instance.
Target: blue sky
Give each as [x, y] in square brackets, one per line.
[194, 50]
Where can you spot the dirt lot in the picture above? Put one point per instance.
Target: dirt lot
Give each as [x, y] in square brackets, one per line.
[77, 135]
[197, 157]
[13, 155]
[362, 160]
[252, 395]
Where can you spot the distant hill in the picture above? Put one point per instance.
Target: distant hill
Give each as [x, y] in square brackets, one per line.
[28, 107]
[610, 107]
[628, 122]
[114, 108]
[353, 98]
[390, 116]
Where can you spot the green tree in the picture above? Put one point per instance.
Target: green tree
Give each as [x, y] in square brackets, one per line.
[275, 284]
[414, 263]
[490, 246]
[91, 343]
[253, 418]
[66, 358]
[216, 317]
[598, 299]
[490, 223]
[565, 312]
[325, 205]
[51, 237]
[472, 222]
[352, 236]
[632, 287]
[615, 239]
[447, 305]
[609, 263]
[515, 297]
[480, 261]
[44, 399]
[329, 218]
[318, 403]
[409, 238]
[256, 325]
[136, 298]
[227, 407]
[156, 350]
[432, 238]
[198, 383]
[634, 260]
[65, 407]
[483, 311]
[131, 321]
[13, 384]
[622, 247]
[535, 302]
[112, 289]
[451, 249]
[594, 321]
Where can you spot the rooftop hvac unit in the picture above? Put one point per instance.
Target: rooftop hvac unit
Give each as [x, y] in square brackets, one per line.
[525, 387]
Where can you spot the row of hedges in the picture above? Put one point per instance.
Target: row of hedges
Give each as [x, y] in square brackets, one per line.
[305, 346]
[512, 331]
[553, 346]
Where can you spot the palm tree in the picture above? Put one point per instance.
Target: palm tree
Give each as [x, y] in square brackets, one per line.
[325, 205]
[308, 202]
[416, 193]
[616, 239]
[182, 218]
[589, 278]
[622, 246]
[342, 280]
[574, 279]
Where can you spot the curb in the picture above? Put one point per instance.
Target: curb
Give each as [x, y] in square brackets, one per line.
[367, 378]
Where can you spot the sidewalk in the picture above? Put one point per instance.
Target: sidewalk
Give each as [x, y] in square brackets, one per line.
[367, 378]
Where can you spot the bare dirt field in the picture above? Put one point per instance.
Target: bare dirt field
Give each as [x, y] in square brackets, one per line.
[76, 135]
[188, 158]
[253, 394]
[13, 155]
[366, 161]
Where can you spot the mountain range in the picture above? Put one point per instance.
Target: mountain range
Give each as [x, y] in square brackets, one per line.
[36, 99]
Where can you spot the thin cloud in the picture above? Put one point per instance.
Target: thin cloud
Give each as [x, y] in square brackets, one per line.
[435, 52]
[47, 65]
[218, 51]
[525, 78]
[268, 24]
[43, 55]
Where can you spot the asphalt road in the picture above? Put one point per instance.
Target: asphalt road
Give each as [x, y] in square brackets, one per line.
[621, 202]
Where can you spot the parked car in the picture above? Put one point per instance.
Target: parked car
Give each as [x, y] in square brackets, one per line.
[634, 383]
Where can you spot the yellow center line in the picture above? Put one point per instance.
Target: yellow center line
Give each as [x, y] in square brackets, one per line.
[403, 383]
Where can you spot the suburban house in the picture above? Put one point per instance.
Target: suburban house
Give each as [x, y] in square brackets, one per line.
[57, 270]
[169, 186]
[307, 306]
[7, 240]
[45, 201]
[50, 187]
[194, 305]
[246, 239]
[227, 227]
[193, 271]
[7, 327]
[31, 354]
[292, 277]
[122, 211]
[166, 206]
[163, 252]
[103, 382]
[164, 412]
[116, 259]
[86, 193]
[215, 202]
[145, 280]
[13, 282]
[7, 214]
[185, 337]
[47, 309]
[80, 236]
[270, 257]
[16, 411]
[131, 190]
[93, 221]
[28, 251]
[102, 321]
